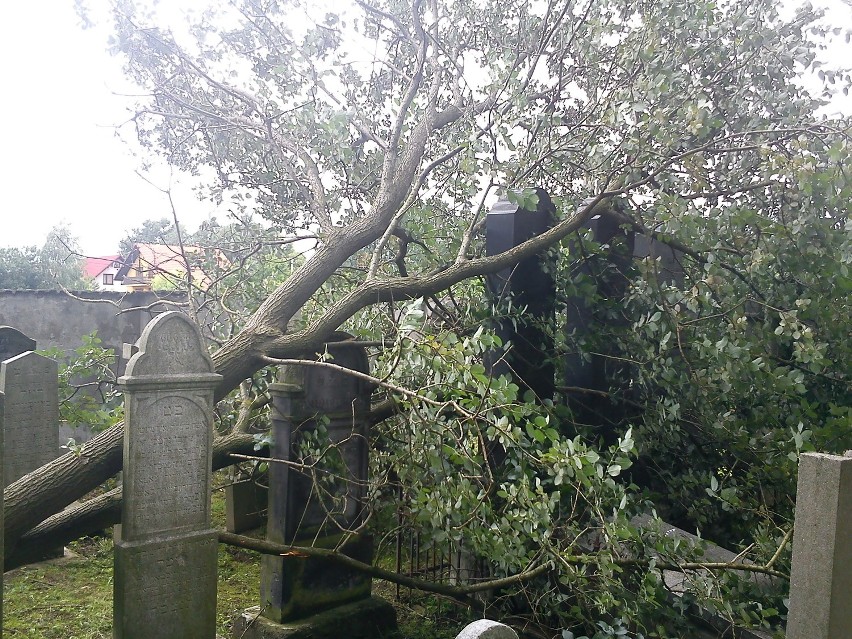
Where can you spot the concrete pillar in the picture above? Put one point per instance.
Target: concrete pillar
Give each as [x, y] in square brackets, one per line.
[821, 576]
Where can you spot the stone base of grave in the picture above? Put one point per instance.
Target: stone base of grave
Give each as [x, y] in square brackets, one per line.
[166, 588]
[295, 587]
[371, 618]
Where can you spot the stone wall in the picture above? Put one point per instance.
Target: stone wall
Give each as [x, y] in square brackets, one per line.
[54, 318]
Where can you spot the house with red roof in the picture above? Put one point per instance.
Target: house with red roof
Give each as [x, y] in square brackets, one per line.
[103, 270]
[151, 266]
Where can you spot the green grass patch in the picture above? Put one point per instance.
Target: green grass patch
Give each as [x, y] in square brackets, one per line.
[71, 598]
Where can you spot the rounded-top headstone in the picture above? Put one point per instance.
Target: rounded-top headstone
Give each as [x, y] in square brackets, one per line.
[487, 629]
[13, 342]
[171, 345]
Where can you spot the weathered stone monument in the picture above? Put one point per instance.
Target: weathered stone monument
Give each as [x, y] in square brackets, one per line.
[820, 578]
[14, 342]
[31, 384]
[318, 499]
[2, 506]
[165, 549]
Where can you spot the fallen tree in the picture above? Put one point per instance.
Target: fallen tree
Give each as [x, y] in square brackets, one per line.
[685, 119]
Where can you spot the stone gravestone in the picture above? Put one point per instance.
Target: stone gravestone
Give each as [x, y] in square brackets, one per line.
[165, 550]
[820, 576]
[319, 415]
[529, 284]
[2, 523]
[588, 375]
[31, 384]
[245, 502]
[487, 629]
[14, 342]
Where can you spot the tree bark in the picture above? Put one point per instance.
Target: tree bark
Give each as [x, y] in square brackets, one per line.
[101, 512]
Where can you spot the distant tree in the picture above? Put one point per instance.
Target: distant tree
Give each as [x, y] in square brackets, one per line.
[57, 264]
[162, 231]
[18, 268]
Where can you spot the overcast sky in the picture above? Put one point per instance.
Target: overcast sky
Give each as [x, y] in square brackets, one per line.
[61, 161]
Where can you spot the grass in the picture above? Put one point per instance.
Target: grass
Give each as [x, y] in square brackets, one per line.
[71, 598]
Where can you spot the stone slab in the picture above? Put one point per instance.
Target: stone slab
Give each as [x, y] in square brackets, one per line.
[245, 506]
[31, 432]
[165, 550]
[820, 577]
[13, 342]
[174, 580]
[372, 618]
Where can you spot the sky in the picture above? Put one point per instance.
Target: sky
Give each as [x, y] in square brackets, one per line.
[61, 160]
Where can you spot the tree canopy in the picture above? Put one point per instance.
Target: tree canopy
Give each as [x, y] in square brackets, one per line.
[56, 264]
[382, 131]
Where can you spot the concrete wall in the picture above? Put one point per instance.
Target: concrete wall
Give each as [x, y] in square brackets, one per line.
[54, 318]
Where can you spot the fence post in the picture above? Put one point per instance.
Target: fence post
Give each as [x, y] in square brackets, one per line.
[821, 578]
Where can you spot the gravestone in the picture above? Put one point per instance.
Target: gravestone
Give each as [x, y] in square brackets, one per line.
[319, 423]
[14, 342]
[487, 629]
[165, 549]
[31, 384]
[529, 284]
[590, 376]
[2, 507]
[245, 503]
[820, 576]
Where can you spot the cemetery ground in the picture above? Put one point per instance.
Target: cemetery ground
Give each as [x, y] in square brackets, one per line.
[71, 597]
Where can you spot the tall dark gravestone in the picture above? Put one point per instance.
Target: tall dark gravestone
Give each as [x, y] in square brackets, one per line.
[529, 284]
[319, 425]
[608, 273]
[165, 549]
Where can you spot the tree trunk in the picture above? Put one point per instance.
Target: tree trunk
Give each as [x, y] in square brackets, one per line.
[103, 511]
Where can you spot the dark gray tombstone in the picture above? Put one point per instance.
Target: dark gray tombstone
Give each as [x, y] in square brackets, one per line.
[529, 284]
[608, 272]
[319, 423]
[13, 342]
[245, 505]
[820, 575]
[31, 384]
[165, 549]
[667, 263]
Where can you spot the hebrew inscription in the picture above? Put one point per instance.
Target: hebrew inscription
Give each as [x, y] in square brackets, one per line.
[172, 491]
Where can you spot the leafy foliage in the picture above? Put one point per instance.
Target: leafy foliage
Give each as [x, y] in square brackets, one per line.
[684, 118]
[87, 390]
[56, 264]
